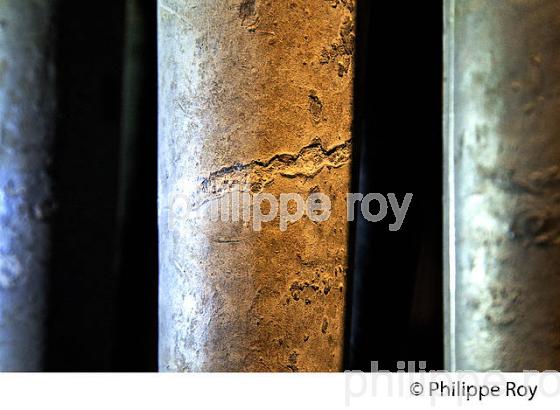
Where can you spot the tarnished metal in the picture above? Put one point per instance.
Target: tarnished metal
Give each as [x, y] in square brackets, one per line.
[502, 184]
[26, 114]
[259, 93]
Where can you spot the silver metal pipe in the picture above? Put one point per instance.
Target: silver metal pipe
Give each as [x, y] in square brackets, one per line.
[26, 125]
[502, 184]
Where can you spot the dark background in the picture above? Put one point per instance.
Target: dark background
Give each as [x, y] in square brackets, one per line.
[396, 297]
[103, 296]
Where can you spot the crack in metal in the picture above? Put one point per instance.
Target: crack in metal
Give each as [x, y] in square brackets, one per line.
[256, 175]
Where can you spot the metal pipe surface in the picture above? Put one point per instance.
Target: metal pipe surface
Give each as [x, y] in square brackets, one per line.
[26, 124]
[502, 184]
[253, 93]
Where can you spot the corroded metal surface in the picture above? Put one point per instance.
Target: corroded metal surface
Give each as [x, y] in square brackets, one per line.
[503, 196]
[254, 92]
[26, 113]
